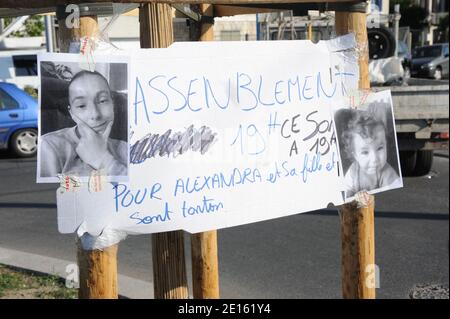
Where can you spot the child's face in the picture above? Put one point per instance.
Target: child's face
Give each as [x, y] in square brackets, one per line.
[370, 153]
[90, 101]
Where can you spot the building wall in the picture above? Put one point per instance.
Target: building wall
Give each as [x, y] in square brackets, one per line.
[383, 5]
[237, 28]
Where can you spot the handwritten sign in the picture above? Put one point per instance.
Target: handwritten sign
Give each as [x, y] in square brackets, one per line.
[224, 134]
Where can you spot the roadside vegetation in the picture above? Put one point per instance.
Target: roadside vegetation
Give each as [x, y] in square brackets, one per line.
[20, 284]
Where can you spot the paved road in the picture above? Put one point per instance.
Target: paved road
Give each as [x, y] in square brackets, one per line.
[291, 257]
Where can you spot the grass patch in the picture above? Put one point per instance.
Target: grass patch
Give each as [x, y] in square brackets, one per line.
[20, 284]
[10, 280]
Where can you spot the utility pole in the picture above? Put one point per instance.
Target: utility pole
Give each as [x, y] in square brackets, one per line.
[397, 17]
[48, 33]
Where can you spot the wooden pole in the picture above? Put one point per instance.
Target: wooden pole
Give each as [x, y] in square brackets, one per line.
[98, 273]
[310, 30]
[88, 27]
[205, 263]
[50, 3]
[206, 28]
[358, 244]
[357, 221]
[348, 22]
[98, 268]
[169, 268]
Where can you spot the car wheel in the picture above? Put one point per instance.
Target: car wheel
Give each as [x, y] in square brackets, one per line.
[24, 142]
[408, 162]
[381, 43]
[437, 74]
[424, 162]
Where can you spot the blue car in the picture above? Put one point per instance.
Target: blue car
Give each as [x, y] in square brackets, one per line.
[18, 120]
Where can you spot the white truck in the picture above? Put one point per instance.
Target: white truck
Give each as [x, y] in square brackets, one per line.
[421, 116]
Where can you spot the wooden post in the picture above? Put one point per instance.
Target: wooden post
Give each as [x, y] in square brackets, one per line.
[206, 29]
[156, 25]
[88, 27]
[169, 268]
[98, 268]
[309, 31]
[357, 222]
[358, 256]
[98, 273]
[348, 22]
[205, 263]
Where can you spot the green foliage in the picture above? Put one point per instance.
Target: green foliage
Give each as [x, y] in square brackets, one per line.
[54, 288]
[443, 23]
[31, 91]
[10, 280]
[413, 16]
[25, 284]
[33, 27]
[58, 293]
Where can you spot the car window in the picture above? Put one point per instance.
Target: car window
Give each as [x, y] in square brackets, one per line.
[445, 50]
[7, 102]
[428, 52]
[25, 65]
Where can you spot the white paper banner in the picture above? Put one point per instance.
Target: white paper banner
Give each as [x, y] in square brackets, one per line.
[223, 134]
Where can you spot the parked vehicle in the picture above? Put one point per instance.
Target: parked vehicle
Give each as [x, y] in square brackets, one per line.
[381, 43]
[18, 120]
[421, 120]
[430, 61]
[384, 67]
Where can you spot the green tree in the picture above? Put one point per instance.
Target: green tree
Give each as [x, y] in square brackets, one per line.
[443, 23]
[33, 27]
[443, 29]
[413, 16]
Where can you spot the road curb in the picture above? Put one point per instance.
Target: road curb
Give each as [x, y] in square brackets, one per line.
[129, 287]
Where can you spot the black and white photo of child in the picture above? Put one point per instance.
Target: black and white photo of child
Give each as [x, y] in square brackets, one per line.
[368, 146]
[83, 121]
